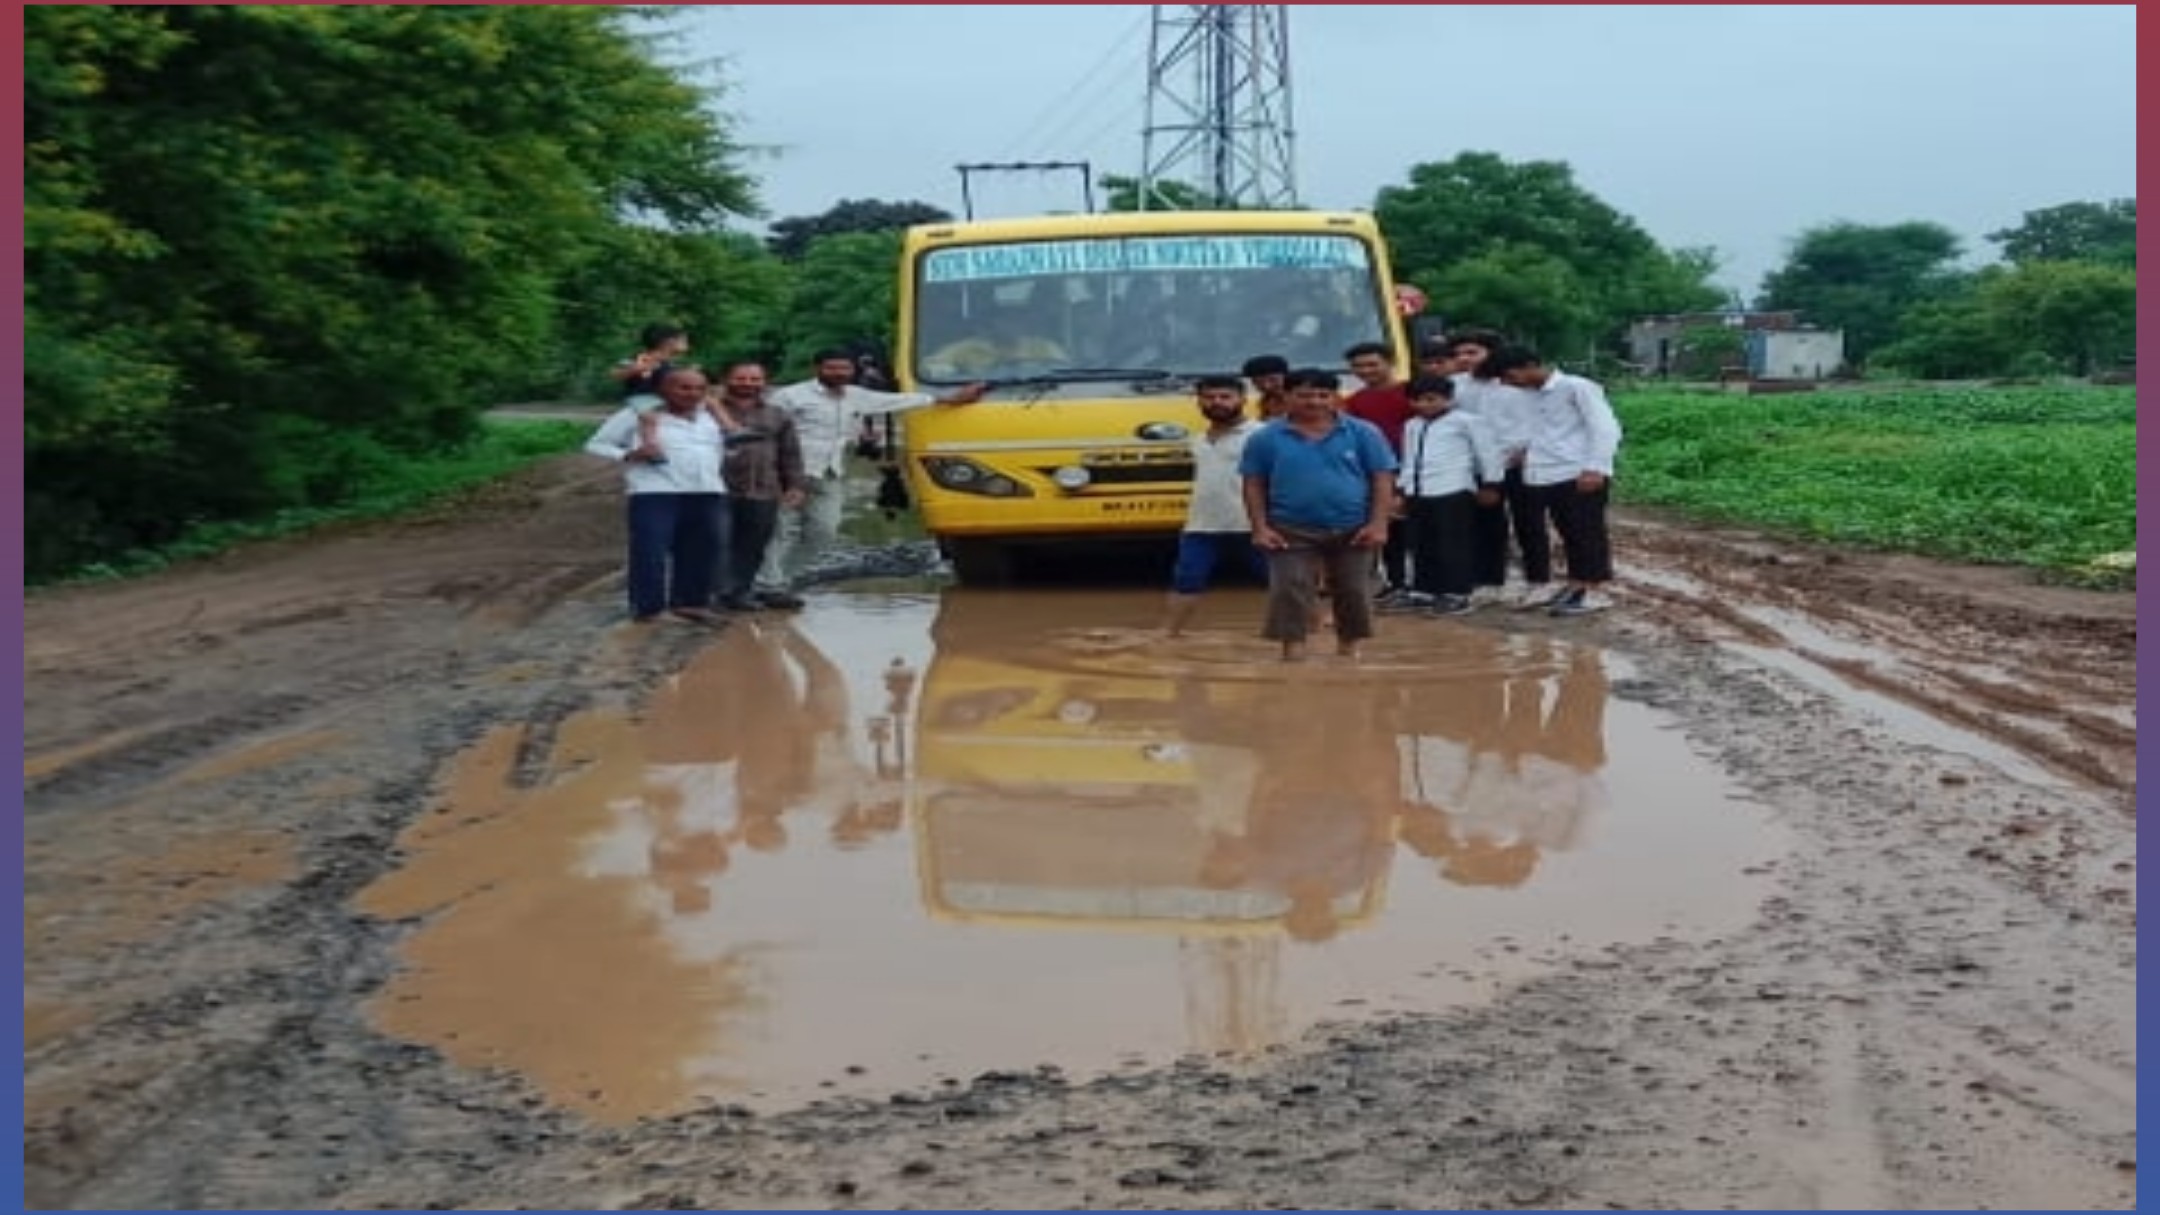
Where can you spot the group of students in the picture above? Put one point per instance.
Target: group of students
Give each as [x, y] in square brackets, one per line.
[1428, 483]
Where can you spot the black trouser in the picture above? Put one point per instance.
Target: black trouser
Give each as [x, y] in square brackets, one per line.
[1395, 555]
[751, 523]
[1520, 512]
[1580, 519]
[1442, 542]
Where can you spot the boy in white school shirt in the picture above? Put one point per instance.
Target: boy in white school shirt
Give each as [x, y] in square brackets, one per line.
[1568, 462]
[1449, 467]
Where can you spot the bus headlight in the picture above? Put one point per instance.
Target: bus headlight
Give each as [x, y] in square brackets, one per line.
[962, 475]
[1072, 478]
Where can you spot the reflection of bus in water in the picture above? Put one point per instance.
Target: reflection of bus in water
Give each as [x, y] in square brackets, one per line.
[1091, 328]
[1047, 793]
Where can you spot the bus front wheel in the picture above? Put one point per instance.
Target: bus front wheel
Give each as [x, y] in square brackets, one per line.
[980, 562]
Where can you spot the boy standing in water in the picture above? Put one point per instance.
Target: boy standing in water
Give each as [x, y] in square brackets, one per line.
[1216, 526]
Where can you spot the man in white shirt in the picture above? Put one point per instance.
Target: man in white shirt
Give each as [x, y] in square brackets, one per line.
[1505, 412]
[828, 411]
[1568, 463]
[1216, 526]
[676, 496]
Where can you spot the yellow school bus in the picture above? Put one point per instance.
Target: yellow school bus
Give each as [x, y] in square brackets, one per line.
[1091, 328]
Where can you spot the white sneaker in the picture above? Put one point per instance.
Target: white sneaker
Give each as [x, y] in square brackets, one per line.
[1535, 595]
[1487, 596]
[1580, 603]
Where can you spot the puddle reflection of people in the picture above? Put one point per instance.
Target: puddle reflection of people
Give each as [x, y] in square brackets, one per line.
[754, 728]
[1496, 786]
[825, 772]
[682, 861]
[1325, 781]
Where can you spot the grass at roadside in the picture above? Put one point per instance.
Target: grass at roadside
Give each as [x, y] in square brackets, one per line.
[501, 447]
[2043, 477]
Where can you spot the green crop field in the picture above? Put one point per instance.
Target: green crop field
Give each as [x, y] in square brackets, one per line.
[2028, 476]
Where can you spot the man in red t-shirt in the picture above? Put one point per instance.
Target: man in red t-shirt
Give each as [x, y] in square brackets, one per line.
[1384, 401]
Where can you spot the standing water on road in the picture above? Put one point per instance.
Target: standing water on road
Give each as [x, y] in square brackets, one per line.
[905, 837]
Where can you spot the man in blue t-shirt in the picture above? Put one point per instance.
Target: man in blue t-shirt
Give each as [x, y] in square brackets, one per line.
[1319, 487]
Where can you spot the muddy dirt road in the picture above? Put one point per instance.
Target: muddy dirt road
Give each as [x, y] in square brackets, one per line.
[391, 868]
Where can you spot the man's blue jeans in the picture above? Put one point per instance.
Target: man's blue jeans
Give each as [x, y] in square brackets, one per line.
[675, 543]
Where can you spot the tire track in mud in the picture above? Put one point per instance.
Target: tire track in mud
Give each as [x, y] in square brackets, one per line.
[2034, 689]
[285, 1081]
[216, 1026]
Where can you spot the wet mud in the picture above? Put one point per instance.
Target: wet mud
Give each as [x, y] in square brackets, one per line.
[1025, 843]
[391, 868]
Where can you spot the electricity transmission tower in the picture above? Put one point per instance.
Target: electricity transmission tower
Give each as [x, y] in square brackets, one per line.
[1218, 107]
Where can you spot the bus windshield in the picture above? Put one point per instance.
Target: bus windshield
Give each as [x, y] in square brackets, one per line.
[1142, 305]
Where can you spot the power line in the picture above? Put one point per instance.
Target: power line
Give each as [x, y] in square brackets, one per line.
[1116, 52]
[1124, 115]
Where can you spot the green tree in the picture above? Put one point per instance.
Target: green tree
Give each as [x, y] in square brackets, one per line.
[1123, 194]
[791, 237]
[1952, 338]
[1862, 278]
[2104, 232]
[2074, 317]
[2082, 315]
[1521, 290]
[267, 246]
[844, 292]
[1465, 222]
[723, 287]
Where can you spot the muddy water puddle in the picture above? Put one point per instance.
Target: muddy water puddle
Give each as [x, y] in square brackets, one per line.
[903, 838]
[1788, 642]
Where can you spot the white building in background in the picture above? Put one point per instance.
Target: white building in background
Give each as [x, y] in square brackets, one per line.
[1795, 354]
[1771, 346]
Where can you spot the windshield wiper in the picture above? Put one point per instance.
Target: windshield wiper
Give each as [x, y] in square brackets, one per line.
[1084, 375]
[1111, 373]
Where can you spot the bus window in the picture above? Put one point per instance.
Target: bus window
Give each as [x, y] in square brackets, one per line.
[1187, 305]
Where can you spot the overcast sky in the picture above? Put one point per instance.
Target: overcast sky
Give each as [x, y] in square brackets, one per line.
[1734, 127]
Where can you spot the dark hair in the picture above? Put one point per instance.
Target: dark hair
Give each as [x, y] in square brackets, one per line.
[656, 336]
[1490, 339]
[1364, 348]
[1265, 364]
[1509, 358]
[834, 354]
[733, 365]
[1217, 381]
[1313, 377]
[1432, 386]
[1435, 348]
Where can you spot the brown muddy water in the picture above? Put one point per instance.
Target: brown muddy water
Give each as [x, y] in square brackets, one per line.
[907, 836]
